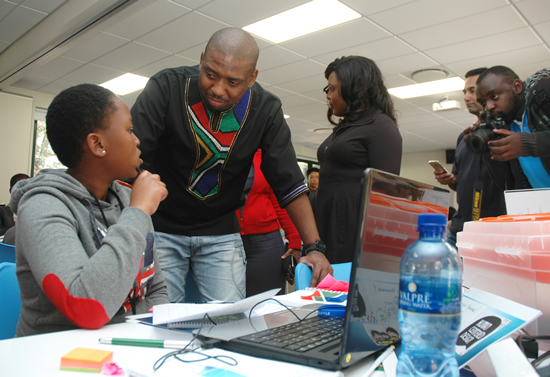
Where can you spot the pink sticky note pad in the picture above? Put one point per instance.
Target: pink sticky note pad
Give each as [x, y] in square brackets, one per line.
[327, 282]
[340, 286]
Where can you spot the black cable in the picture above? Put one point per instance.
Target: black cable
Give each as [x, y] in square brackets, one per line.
[221, 358]
[184, 350]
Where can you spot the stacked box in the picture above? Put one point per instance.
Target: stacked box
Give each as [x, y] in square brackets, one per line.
[510, 257]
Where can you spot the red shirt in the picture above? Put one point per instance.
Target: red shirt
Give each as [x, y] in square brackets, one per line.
[262, 213]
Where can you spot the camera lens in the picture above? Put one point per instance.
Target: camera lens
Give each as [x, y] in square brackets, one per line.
[477, 142]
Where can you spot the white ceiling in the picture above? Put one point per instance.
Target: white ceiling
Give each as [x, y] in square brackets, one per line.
[402, 36]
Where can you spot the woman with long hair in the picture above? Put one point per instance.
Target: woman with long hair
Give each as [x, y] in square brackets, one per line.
[365, 135]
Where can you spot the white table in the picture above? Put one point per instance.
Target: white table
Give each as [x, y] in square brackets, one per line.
[40, 355]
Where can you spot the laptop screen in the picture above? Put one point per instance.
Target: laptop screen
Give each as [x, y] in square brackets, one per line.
[389, 211]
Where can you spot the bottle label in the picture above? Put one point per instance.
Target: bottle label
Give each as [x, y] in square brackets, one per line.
[430, 296]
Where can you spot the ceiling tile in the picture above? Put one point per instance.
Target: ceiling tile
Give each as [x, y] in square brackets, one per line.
[544, 30]
[492, 22]
[193, 53]
[55, 87]
[395, 80]
[536, 11]
[130, 57]
[527, 69]
[3, 45]
[420, 14]
[182, 33]
[58, 68]
[485, 46]
[275, 56]
[91, 73]
[382, 49]
[5, 9]
[405, 63]
[319, 117]
[169, 62]
[18, 22]
[279, 92]
[336, 38]
[44, 6]
[313, 83]
[148, 19]
[316, 94]
[293, 71]
[297, 100]
[193, 4]
[423, 121]
[241, 13]
[32, 82]
[299, 111]
[538, 55]
[95, 47]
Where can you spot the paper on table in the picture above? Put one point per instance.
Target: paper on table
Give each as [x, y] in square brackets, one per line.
[168, 313]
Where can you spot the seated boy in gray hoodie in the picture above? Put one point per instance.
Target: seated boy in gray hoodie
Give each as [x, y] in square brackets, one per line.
[85, 245]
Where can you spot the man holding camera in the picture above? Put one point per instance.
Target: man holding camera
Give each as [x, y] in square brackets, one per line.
[525, 107]
[478, 195]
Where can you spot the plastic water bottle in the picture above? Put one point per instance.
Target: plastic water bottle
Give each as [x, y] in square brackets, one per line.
[430, 292]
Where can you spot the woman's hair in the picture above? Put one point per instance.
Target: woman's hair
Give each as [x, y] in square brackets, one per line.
[73, 114]
[361, 87]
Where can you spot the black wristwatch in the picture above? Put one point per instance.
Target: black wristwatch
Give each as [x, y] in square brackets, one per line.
[317, 246]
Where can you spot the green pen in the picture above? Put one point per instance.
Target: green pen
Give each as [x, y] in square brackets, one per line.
[145, 342]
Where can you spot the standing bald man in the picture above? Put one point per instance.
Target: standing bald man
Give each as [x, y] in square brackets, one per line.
[199, 129]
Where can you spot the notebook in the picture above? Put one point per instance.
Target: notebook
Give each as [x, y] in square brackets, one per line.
[389, 209]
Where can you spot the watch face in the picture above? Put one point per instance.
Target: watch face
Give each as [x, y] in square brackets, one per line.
[321, 247]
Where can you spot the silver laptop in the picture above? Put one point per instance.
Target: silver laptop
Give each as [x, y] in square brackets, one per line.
[389, 209]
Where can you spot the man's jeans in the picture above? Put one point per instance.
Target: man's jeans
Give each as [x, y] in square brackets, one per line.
[218, 264]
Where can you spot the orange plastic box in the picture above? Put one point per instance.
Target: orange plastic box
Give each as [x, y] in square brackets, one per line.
[510, 257]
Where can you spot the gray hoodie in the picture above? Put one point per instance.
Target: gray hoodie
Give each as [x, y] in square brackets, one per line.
[79, 265]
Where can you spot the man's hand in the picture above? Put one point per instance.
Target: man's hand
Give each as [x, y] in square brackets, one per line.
[445, 178]
[507, 148]
[319, 264]
[294, 252]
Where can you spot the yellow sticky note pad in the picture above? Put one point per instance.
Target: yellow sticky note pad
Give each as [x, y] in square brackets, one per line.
[86, 360]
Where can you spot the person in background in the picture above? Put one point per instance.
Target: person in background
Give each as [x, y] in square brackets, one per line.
[6, 212]
[471, 170]
[312, 177]
[526, 108]
[365, 135]
[85, 243]
[260, 219]
[200, 128]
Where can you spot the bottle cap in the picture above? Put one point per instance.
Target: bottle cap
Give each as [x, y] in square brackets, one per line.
[432, 222]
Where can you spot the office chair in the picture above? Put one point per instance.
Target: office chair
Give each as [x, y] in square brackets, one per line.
[11, 301]
[342, 271]
[7, 253]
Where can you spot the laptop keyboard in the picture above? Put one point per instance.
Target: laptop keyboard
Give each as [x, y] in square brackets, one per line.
[300, 336]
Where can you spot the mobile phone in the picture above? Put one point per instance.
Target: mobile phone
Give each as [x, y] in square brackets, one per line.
[437, 165]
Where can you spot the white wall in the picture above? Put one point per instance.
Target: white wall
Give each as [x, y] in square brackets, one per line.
[415, 166]
[17, 108]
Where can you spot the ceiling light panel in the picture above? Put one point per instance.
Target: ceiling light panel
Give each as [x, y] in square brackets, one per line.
[305, 19]
[428, 88]
[127, 83]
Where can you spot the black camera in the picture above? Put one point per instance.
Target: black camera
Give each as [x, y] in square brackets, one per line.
[478, 140]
